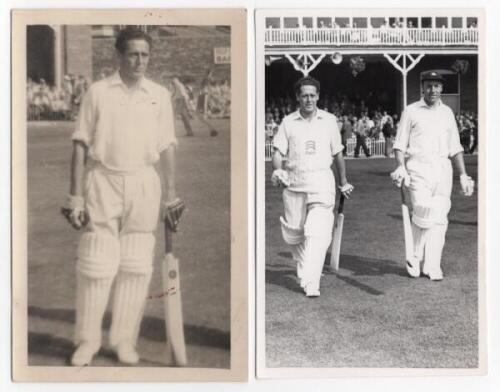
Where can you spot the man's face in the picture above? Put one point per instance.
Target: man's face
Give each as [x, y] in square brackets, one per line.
[432, 91]
[134, 61]
[308, 98]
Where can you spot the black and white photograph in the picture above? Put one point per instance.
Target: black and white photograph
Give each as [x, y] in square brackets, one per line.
[370, 192]
[129, 247]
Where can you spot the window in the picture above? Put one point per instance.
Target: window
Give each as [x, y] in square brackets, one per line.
[324, 22]
[291, 23]
[441, 22]
[359, 22]
[273, 22]
[456, 23]
[426, 22]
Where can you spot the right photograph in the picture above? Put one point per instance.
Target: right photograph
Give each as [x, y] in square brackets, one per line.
[370, 193]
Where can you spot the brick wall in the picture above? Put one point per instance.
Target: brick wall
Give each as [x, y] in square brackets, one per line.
[78, 50]
[189, 57]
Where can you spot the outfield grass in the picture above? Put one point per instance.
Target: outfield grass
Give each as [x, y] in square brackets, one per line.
[370, 313]
[203, 182]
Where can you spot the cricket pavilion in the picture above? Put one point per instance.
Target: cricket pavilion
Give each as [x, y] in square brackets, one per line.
[381, 56]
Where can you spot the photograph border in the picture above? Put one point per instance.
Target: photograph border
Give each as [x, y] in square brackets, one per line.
[236, 18]
[262, 371]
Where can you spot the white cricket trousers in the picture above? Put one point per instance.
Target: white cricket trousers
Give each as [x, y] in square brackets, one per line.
[430, 192]
[117, 246]
[311, 214]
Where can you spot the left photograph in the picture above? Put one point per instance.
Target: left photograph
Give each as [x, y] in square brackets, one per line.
[122, 169]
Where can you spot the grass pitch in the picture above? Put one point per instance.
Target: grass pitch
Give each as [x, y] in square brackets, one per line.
[203, 175]
[370, 313]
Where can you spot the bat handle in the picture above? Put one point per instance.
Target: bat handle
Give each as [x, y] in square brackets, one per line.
[168, 237]
[340, 210]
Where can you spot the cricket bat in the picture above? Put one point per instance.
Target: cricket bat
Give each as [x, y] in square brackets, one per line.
[337, 236]
[407, 226]
[174, 324]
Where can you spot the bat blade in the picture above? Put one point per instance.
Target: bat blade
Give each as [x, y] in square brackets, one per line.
[336, 242]
[408, 233]
[407, 227]
[174, 322]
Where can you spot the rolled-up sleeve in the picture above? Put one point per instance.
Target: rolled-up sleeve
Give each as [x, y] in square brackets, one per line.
[166, 123]
[85, 125]
[336, 141]
[403, 133]
[454, 145]
[280, 141]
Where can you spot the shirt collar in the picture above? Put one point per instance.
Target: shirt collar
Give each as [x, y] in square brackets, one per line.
[422, 103]
[297, 116]
[144, 84]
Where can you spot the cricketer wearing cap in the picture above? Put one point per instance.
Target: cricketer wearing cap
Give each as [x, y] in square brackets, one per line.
[125, 125]
[427, 141]
[310, 140]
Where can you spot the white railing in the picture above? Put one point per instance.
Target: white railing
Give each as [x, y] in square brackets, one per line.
[376, 147]
[372, 36]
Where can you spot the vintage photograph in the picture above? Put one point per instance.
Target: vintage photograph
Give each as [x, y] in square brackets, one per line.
[370, 193]
[127, 135]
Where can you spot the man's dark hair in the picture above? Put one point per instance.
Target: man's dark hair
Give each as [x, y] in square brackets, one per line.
[306, 81]
[130, 33]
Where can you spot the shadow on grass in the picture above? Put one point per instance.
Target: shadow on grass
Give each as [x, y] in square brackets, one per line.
[56, 347]
[284, 275]
[152, 328]
[451, 221]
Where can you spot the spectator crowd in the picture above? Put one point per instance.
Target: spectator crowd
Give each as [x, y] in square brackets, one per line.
[360, 121]
[47, 102]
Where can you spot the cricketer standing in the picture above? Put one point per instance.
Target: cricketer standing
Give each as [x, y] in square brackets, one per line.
[310, 140]
[427, 141]
[125, 125]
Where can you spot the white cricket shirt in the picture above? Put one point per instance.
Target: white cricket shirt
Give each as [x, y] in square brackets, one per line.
[125, 129]
[310, 146]
[428, 133]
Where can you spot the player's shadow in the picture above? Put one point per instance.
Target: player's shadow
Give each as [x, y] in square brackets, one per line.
[152, 328]
[48, 345]
[451, 221]
[364, 266]
[284, 275]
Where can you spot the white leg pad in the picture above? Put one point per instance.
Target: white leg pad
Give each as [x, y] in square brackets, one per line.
[428, 211]
[419, 238]
[91, 301]
[128, 307]
[298, 257]
[291, 234]
[98, 255]
[137, 252]
[131, 287]
[434, 250]
[318, 232]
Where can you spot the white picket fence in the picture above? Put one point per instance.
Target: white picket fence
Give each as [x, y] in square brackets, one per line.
[372, 36]
[376, 146]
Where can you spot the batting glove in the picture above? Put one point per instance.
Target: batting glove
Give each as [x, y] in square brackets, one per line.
[467, 184]
[400, 176]
[172, 212]
[280, 178]
[74, 211]
[346, 189]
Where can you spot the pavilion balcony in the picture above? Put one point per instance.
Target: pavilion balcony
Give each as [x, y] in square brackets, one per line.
[392, 37]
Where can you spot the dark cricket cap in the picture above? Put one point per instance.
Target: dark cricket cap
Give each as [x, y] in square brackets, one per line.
[431, 75]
